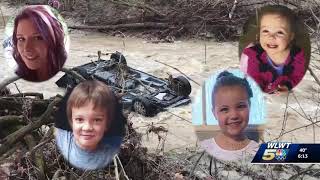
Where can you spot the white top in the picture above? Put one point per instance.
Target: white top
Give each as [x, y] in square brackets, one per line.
[213, 149]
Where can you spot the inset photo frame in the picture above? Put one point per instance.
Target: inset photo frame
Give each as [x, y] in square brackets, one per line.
[89, 126]
[36, 43]
[275, 48]
[229, 108]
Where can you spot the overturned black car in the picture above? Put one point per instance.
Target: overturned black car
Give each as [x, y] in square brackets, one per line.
[142, 92]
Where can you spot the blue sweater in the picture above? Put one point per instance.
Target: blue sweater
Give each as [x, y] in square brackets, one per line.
[87, 160]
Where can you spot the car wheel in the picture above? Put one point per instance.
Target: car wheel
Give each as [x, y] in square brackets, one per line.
[142, 106]
[83, 72]
[119, 58]
[66, 81]
[181, 86]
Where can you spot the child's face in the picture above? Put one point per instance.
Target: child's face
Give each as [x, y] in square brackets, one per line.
[232, 109]
[275, 34]
[88, 125]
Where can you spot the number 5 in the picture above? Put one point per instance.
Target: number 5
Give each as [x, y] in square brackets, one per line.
[269, 154]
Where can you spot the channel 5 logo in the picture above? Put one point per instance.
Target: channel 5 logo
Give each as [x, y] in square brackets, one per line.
[276, 150]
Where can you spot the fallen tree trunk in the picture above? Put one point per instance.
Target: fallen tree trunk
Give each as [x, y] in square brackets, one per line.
[73, 73]
[146, 25]
[15, 105]
[140, 6]
[7, 81]
[10, 119]
[44, 119]
[36, 95]
[37, 157]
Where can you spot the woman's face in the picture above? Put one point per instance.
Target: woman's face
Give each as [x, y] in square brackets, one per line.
[89, 125]
[31, 46]
[232, 109]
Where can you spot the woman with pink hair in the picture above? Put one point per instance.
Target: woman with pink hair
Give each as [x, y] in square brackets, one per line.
[38, 43]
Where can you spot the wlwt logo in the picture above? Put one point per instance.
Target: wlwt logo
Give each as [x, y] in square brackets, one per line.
[276, 150]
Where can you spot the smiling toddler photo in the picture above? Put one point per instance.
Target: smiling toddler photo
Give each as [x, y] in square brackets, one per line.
[276, 61]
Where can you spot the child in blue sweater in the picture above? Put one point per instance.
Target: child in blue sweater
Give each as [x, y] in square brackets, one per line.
[91, 110]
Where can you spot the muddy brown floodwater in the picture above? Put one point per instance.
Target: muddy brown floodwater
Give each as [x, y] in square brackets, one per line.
[189, 57]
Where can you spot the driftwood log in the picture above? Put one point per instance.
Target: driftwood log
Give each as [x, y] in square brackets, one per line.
[8, 142]
[144, 25]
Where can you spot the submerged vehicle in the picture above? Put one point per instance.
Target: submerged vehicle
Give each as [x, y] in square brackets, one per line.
[141, 92]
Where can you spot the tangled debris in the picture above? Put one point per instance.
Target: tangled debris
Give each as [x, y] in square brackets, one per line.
[164, 21]
[28, 150]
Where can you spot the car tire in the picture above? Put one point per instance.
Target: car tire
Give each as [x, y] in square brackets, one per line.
[83, 72]
[181, 86]
[119, 58]
[142, 106]
[66, 81]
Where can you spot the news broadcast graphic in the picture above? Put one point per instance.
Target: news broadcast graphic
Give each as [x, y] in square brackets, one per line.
[285, 152]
